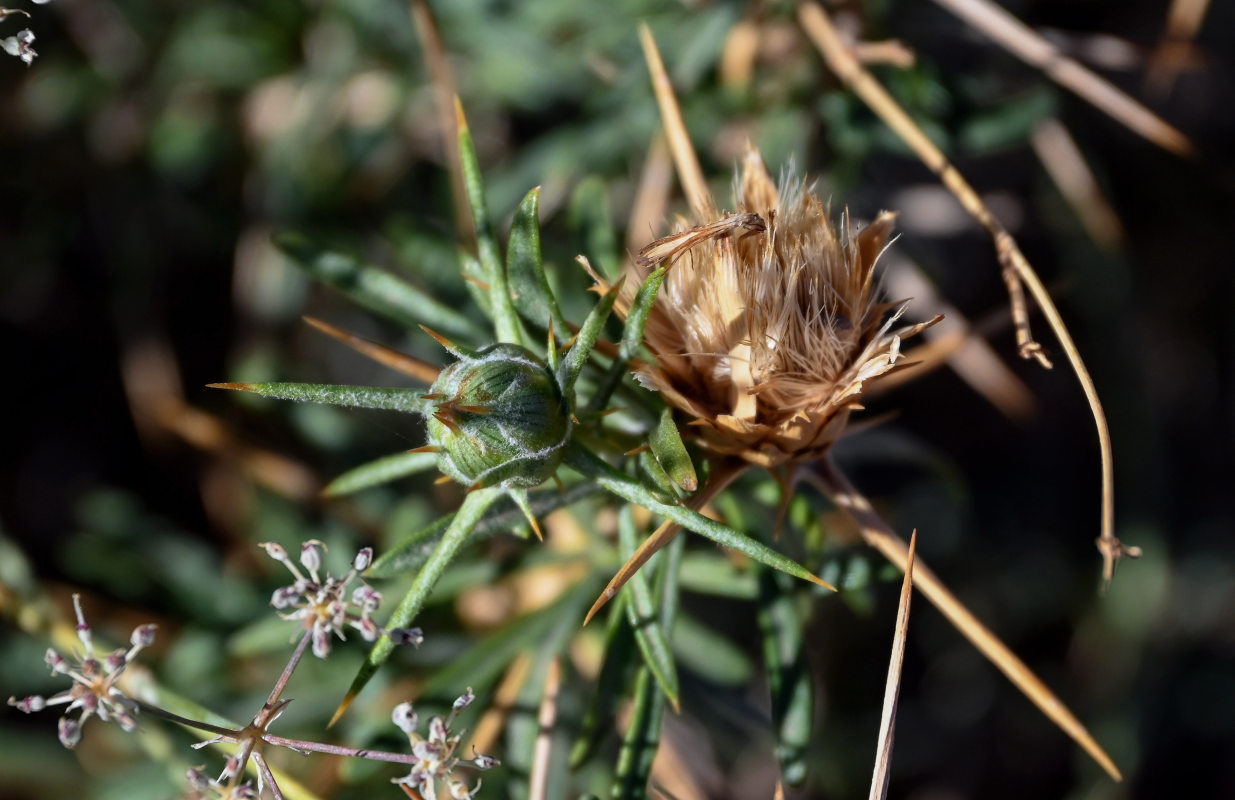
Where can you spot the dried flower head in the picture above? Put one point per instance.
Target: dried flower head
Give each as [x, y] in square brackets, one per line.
[323, 604]
[94, 691]
[767, 329]
[435, 759]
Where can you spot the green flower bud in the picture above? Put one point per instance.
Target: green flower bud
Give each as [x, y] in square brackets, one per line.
[501, 419]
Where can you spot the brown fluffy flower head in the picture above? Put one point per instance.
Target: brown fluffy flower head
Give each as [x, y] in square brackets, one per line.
[767, 329]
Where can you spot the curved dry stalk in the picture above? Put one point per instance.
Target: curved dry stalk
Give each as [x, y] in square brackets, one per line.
[891, 692]
[1017, 273]
[1022, 41]
[388, 357]
[879, 535]
[684, 158]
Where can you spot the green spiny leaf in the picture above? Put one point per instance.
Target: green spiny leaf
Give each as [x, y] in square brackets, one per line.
[529, 286]
[632, 337]
[631, 490]
[412, 551]
[789, 680]
[505, 321]
[642, 616]
[465, 520]
[667, 446]
[641, 741]
[574, 358]
[383, 470]
[387, 398]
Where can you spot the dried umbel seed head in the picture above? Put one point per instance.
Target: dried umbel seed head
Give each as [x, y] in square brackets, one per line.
[766, 329]
[501, 419]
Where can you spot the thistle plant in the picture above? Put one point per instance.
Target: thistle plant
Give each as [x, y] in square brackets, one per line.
[743, 344]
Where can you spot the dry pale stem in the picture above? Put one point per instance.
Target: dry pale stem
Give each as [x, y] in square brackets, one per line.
[1016, 271]
[1021, 40]
[388, 357]
[689, 171]
[891, 692]
[1067, 167]
[546, 721]
[879, 534]
[1176, 51]
[444, 93]
[969, 355]
[493, 721]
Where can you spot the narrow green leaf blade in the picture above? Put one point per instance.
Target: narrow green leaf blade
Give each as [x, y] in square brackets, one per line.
[376, 289]
[666, 444]
[615, 670]
[383, 470]
[641, 741]
[642, 615]
[529, 286]
[789, 680]
[624, 486]
[412, 551]
[574, 358]
[632, 338]
[465, 519]
[387, 398]
[506, 322]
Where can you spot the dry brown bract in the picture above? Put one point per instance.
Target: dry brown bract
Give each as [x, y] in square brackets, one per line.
[766, 329]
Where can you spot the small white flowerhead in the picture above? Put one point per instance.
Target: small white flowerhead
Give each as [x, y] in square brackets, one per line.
[322, 603]
[19, 45]
[94, 691]
[436, 762]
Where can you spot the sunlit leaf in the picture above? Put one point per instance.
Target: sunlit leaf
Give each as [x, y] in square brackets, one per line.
[529, 286]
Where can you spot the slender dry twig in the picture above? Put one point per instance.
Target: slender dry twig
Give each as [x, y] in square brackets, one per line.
[647, 210]
[723, 473]
[546, 720]
[1023, 42]
[493, 721]
[388, 357]
[969, 355]
[689, 171]
[1064, 162]
[1183, 22]
[891, 692]
[1017, 273]
[879, 535]
[444, 93]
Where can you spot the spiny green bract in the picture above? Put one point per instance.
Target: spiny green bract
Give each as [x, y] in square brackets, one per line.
[501, 419]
